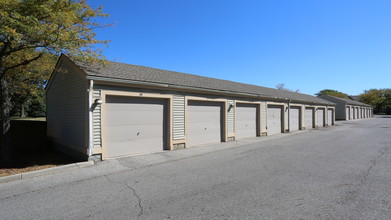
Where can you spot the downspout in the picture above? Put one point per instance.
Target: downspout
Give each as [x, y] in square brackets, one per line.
[289, 115]
[90, 109]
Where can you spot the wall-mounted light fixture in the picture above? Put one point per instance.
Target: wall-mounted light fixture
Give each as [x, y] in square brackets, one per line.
[98, 101]
[230, 107]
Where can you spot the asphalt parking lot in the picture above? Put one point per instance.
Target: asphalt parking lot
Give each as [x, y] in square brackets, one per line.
[339, 172]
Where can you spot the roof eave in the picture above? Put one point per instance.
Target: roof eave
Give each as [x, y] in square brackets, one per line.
[197, 89]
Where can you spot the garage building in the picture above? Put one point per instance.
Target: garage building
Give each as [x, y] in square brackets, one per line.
[347, 109]
[116, 110]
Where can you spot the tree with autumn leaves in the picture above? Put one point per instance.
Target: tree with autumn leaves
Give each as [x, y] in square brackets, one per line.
[380, 99]
[26, 86]
[31, 33]
[332, 92]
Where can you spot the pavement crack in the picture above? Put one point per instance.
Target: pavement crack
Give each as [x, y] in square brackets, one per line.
[138, 198]
[373, 163]
[353, 191]
[139, 201]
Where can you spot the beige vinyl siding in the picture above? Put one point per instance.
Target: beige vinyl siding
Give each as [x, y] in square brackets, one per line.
[340, 111]
[263, 116]
[231, 117]
[178, 117]
[67, 108]
[96, 120]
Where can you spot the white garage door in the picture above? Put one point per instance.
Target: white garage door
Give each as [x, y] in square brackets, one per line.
[351, 113]
[274, 117]
[246, 120]
[204, 123]
[320, 117]
[329, 117]
[294, 117]
[309, 118]
[347, 117]
[134, 125]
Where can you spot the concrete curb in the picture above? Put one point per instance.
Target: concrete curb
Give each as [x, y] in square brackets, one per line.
[47, 171]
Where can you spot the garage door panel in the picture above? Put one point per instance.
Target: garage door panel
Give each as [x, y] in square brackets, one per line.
[138, 147]
[294, 117]
[309, 118]
[206, 116]
[274, 120]
[119, 118]
[127, 132]
[202, 128]
[204, 123]
[352, 116]
[246, 120]
[330, 117]
[134, 125]
[320, 117]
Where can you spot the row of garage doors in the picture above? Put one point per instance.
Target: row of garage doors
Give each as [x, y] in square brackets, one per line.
[274, 118]
[357, 112]
[140, 125]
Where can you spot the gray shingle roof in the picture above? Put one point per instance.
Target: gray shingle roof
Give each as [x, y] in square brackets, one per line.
[354, 97]
[124, 71]
[348, 101]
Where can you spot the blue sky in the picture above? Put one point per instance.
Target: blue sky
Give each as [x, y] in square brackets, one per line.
[308, 45]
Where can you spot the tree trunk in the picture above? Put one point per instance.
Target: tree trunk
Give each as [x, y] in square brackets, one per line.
[22, 111]
[6, 149]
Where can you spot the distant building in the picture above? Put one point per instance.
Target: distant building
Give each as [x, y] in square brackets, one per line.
[348, 109]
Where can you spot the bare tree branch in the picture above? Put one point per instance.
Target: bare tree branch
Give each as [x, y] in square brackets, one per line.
[4, 49]
[23, 47]
[23, 63]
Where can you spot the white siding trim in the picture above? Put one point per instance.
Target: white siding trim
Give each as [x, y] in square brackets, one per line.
[178, 120]
[97, 121]
[231, 118]
[263, 116]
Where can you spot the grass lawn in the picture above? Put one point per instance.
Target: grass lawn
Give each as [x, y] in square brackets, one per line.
[29, 119]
